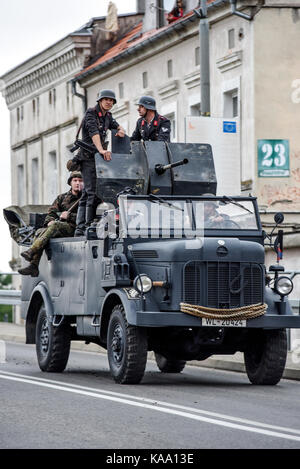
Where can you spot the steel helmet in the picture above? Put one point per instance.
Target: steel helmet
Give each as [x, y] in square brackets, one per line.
[107, 94]
[148, 102]
[74, 174]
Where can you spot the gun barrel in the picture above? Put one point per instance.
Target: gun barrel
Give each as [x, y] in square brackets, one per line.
[160, 169]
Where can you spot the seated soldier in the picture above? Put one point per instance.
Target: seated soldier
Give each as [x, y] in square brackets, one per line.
[60, 222]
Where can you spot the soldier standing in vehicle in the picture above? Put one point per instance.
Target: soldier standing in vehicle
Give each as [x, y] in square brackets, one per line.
[151, 125]
[96, 122]
[60, 222]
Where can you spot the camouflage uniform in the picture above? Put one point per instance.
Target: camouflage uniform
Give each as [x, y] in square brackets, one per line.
[58, 229]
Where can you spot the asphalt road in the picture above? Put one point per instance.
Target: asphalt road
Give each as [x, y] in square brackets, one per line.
[83, 408]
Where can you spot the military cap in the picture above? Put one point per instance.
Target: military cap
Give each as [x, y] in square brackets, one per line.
[74, 174]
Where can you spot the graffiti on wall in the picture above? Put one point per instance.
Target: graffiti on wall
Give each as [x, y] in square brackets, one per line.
[284, 191]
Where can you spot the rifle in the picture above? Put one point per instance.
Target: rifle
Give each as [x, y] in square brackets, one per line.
[85, 146]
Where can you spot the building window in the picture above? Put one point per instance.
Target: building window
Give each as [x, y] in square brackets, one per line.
[33, 107]
[121, 90]
[172, 119]
[231, 104]
[52, 177]
[35, 180]
[38, 106]
[21, 185]
[231, 39]
[145, 80]
[68, 95]
[235, 110]
[54, 96]
[18, 114]
[195, 110]
[50, 97]
[22, 113]
[197, 56]
[170, 68]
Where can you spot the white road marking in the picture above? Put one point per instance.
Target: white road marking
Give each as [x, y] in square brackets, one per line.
[157, 406]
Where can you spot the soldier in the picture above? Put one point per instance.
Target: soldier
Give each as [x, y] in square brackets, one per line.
[151, 126]
[212, 218]
[95, 124]
[60, 222]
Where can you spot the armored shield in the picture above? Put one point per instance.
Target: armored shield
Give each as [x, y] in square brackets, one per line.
[198, 176]
[124, 170]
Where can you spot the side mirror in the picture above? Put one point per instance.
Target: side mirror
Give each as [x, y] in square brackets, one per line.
[278, 218]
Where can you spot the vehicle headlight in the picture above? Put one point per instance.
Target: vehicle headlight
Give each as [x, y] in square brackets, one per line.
[284, 286]
[142, 283]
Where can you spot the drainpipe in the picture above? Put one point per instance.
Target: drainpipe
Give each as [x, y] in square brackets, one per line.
[239, 13]
[204, 59]
[81, 96]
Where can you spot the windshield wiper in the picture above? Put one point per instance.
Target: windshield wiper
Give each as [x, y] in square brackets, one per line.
[227, 199]
[155, 198]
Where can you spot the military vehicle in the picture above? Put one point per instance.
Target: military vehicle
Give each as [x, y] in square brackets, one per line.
[168, 267]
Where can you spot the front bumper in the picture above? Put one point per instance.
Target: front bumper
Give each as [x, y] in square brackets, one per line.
[179, 319]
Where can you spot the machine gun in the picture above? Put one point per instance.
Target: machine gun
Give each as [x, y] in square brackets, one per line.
[157, 168]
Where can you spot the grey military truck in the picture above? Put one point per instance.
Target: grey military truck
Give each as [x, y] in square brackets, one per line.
[167, 267]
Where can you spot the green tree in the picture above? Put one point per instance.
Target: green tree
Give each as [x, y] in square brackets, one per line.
[5, 310]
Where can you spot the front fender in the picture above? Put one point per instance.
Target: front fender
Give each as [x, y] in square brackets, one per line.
[275, 305]
[114, 297]
[38, 296]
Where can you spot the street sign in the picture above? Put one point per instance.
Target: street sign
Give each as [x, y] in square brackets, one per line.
[273, 158]
[229, 127]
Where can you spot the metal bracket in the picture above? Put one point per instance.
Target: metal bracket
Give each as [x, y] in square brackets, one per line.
[93, 321]
[57, 324]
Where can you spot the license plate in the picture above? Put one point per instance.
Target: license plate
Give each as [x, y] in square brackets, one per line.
[223, 322]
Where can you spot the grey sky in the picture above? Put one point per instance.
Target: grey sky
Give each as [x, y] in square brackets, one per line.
[26, 28]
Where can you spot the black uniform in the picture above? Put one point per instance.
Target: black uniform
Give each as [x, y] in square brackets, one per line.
[159, 129]
[94, 122]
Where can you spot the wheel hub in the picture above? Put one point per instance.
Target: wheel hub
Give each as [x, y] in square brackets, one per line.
[117, 344]
[45, 336]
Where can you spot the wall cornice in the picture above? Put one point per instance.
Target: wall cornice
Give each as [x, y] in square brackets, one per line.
[43, 76]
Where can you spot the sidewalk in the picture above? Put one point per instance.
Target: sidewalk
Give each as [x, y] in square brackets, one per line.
[15, 333]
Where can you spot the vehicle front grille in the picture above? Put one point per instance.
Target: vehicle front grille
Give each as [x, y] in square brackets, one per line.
[223, 284]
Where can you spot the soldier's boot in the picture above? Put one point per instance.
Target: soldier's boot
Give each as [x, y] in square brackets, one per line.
[80, 222]
[28, 255]
[31, 269]
[89, 215]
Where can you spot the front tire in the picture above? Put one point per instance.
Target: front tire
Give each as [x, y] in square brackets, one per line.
[167, 365]
[52, 343]
[265, 356]
[126, 349]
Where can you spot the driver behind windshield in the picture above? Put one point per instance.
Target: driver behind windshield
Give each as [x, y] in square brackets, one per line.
[212, 218]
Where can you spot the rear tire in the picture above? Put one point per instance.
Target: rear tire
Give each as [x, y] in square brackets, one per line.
[126, 348]
[167, 365]
[265, 356]
[52, 343]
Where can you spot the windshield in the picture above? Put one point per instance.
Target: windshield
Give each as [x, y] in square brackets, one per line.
[161, 216]
[226, 213]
